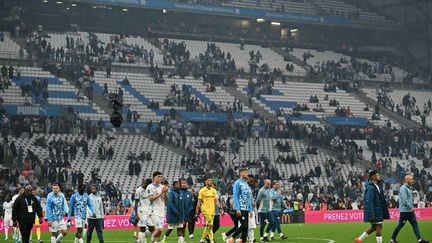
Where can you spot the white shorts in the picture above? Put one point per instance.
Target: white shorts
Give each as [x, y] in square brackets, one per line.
[156, 220]
[252, 222]
[80, 223]
[8, 221]
[143, 217]
[56, 226]
[175, 226]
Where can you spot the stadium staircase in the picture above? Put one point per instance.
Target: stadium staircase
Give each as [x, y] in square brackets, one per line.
[388, 113]
[363, 164]
[292, 58]
[245, 100]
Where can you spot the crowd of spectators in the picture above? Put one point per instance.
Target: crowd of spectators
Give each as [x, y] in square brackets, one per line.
[344, 69]
[86, 51]
[200, 158]
[207, 156]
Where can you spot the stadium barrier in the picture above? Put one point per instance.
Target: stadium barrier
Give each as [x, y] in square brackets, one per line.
[342, 216]
[118, 222]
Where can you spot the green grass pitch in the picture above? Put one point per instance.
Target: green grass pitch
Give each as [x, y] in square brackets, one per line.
[305, 233]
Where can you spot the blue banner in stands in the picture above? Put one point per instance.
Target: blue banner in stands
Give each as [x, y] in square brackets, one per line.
[204, 117]
[129, 125]
[346, 121]
[229, 11]
[244, 12]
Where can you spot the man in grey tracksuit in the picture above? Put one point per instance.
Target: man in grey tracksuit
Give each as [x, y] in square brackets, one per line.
[406, 209]
[264, 205]
[96, 222]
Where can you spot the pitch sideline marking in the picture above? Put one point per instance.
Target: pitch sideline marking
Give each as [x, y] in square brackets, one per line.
[317, 239]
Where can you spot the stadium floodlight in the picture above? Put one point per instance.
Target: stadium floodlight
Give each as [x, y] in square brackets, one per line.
[164, 11]
[293, 30]
[260, 20]
[59, 2]
[275, 23]
[125, 10]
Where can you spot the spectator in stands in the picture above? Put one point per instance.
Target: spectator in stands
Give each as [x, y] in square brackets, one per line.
[4, 71]
[11, 72]
[108, 70]
[126, 81]
[105, 90]
[313, 99]
[120, 94]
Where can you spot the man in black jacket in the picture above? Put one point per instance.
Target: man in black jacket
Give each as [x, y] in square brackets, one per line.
[23, 213]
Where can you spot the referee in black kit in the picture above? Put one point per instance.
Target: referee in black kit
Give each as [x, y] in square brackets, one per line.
[23, 213]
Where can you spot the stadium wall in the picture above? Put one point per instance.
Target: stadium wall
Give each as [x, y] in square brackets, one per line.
[119, 222]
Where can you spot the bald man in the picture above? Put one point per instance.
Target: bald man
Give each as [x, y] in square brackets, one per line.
[406, 209]
[264, 205]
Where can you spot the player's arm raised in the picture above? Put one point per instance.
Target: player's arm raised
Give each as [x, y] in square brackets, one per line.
[157, 195]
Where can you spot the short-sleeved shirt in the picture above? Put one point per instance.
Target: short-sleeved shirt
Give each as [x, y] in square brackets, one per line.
[7, 207]
[142, 196]
[207, 196]
[159, 203]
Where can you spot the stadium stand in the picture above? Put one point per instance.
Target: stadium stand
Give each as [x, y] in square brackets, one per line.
[314, 7]
[59, 92]
[355, 68]
[10, 49]
[300, 7]
[243, 56]
[415, 105]
[185, 113]
[254, 154]
[339, 8]
[290, 96]
[110, 169]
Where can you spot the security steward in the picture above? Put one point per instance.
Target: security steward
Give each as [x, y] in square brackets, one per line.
[23, 213]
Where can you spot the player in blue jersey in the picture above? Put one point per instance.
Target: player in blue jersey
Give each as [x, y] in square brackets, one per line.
[56, 209]
[242, 196]
[78, 207]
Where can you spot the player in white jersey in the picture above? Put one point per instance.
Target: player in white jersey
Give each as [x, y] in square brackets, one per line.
[142, 210]
[7, 215]
[16, 233]
[157, 194]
